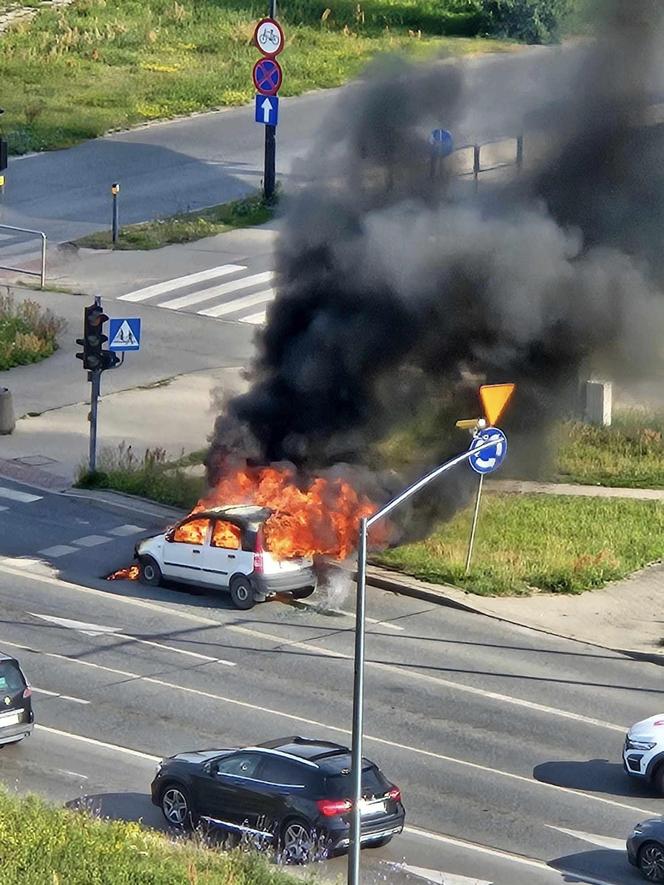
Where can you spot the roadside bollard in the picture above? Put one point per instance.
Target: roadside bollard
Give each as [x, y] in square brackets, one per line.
[7, 420]
[115, 190]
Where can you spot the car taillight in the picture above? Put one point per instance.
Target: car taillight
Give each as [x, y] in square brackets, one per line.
[395, 794]
[27, 692]
[258, 553]
[330, 807]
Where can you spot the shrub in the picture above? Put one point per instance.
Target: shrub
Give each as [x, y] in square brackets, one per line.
[534, 21]
[28, 333]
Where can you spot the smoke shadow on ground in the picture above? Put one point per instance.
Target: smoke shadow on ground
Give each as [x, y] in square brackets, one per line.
[593, 776]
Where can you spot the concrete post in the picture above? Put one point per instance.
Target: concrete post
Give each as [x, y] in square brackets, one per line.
[7, 420]
[599, 403]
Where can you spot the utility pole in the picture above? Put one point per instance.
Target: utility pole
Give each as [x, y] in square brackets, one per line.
[270, 171]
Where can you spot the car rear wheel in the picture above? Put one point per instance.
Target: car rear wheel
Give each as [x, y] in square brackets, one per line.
[297, 842]
[242, 593]
[651, 861]
[149, 572]
[303, 592]
[176, 806]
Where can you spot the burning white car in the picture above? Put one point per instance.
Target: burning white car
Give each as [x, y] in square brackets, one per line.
[225, 548]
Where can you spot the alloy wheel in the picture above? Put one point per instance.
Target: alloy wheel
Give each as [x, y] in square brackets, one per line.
[297, 843]
[651, 862]
[175, 806]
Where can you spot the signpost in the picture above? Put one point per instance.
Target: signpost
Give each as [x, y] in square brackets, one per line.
[442, 145]
[267, 75]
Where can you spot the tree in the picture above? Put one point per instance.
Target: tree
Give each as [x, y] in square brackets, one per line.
[534, 21]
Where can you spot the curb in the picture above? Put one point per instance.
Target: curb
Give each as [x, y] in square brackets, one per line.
[127, 502]
[451, 597]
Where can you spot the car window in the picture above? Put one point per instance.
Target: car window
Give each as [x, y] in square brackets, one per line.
[373, 782]
[11, 678]
[192, 532]
[286, 773]
[242, 765]
[226, 535]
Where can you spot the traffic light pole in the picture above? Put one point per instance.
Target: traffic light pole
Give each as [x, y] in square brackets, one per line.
[95, 387]
[270, 170]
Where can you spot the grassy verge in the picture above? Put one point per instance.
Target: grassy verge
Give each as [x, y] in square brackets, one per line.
[28, 333]
[184, 227]
[545, 542]
[76, 72]
[152, 475]
[41, 845]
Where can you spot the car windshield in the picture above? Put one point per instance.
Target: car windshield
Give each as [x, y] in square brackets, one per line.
[11, 678]
[373, 782]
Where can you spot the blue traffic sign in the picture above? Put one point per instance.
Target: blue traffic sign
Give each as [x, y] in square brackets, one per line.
[267, 109]
[490, 458]
[442, 142]
[124, 334]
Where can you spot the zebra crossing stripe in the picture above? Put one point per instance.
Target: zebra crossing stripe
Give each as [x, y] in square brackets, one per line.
[238, 304]
[256, 319]
[191, 279]
[216, 291]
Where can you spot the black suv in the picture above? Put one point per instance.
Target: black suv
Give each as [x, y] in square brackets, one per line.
[16, 716]
[293, 792]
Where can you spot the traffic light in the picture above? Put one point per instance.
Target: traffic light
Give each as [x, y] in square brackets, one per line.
[93, 339]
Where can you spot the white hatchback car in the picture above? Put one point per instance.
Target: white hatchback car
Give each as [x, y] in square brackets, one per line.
[643, 751]
[224, 547]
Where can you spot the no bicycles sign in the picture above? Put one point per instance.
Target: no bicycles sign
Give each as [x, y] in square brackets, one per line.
[269, 37]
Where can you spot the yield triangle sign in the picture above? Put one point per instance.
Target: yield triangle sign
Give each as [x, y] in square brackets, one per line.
[494, 400]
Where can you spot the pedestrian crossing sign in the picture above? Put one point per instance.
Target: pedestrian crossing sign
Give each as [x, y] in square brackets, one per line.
[124, 333]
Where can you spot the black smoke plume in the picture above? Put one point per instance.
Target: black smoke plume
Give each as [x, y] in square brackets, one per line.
[396, 288]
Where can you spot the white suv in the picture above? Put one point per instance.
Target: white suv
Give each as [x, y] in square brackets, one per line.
[643, 752]
[223, 547]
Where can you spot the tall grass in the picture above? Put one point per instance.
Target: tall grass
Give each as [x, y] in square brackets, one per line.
[28, 333]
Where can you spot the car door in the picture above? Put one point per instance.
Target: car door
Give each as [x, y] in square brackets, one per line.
[234, 791]
[221, 556]
[183, 550]
[283, 782]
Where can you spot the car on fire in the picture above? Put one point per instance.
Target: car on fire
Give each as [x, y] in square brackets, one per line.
[291, 792]
[224, 548]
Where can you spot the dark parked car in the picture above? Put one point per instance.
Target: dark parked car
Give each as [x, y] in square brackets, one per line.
[16, 716]
[293, 792]
[645, 849]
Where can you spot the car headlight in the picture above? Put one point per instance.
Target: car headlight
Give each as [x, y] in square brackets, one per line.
[640, 745]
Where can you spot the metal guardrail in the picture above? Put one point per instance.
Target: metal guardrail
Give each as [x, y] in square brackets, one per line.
[41, 273]
[476, 148]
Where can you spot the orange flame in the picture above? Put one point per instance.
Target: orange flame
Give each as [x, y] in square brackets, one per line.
[320, 519]
[125, 574]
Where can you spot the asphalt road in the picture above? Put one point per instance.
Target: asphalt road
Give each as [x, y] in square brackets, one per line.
[506, 743]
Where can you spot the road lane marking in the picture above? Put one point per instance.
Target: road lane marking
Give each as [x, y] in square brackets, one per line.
[95, 743]
[505, 855]
[99, 630]
[56, 694]
[593, 838]
[217, 291]
[319, 609]
[123, 530]
[181, 282]
[2, 507]
[436, 877]
[293, 717]
[22, 497]
[58, 550]
[91, 540]
[201, 619]
[240, 303]
[72, 773]
[256, 319]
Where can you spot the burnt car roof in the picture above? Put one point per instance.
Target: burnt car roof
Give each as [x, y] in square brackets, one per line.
[242, 514]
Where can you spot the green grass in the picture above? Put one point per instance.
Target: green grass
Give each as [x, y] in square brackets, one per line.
[546, 542]
[629, 453]
[184, 227]
[28, 333]
[150, 475]
[42, 845]
[79, 71]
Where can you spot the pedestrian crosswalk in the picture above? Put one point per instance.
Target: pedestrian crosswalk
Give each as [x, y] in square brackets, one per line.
[243, 297]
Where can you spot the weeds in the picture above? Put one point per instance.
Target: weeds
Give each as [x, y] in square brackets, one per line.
[28, 333]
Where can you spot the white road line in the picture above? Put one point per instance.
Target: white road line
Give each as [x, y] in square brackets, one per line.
[181, 282]
[95, 743]
[91, 540]
[72, 773]
[339, 611]
[217, 291]
[200, 619]
[238, 303]
[14, 495]
[3, 508]
[593, 838]
[58, 550]
[55, 694]
[436, 877]
[123, 530]
[179, 651]
[292, 717]
[256, 319]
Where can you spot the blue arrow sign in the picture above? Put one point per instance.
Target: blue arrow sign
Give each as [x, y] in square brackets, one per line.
[124, 334]
[442, 142]
[267, 109]
[492, 457]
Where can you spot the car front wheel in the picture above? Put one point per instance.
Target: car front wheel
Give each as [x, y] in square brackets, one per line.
[149, 572]
[176, 807]
[651, 862]
[242, 593]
